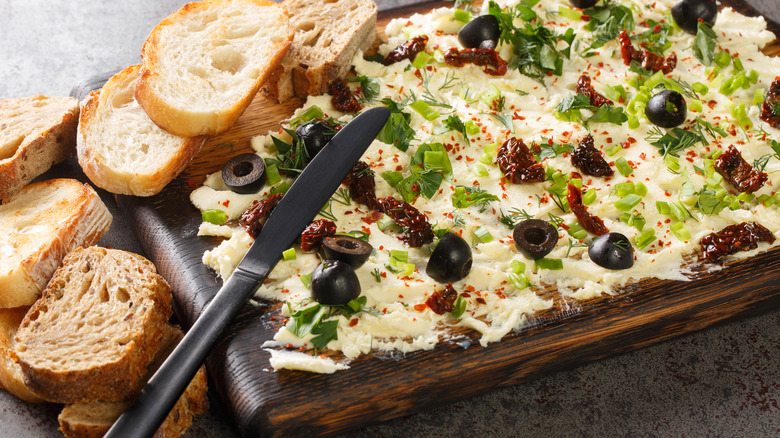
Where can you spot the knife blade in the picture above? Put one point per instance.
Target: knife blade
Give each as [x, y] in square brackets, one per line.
[310, 191]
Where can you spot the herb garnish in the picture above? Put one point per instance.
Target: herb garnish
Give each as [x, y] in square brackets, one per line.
[369, 86]
[674, 141]
[656, 38]
[426, 174]
[514, 217]
[607, 21]
[396, 131]
[292, 157]
[569, 109]
[466, 196]
[313, 317]
[453, 123]
[704, 43]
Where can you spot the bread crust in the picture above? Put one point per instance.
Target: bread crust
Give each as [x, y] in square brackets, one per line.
[96, 328]
[68, 213]
[10, 372]
[40, 150]
[190, 122]
[95, 128]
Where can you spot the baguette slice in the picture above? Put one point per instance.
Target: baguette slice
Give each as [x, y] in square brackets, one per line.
[203, 65]
[88, 420]
[327, 37]
[35, 133]
[10, 372]
[119, 147]
[96, 328]
[40, 225]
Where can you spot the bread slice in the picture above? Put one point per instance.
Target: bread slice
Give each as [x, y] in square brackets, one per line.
[119, 147]
[40, 225]
[96, 328]
[327, 37]
[10, 371]
[35, 133]
[87, 420]
[203, 65]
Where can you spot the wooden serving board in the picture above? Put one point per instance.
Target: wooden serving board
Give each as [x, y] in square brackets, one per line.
[378, 388]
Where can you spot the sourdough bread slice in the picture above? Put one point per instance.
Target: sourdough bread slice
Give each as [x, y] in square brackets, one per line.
[96, 328]
[40, 225]
[10, 372]
[88, 420]
[203, 65]
[119, 147]
[327, 37]
[35, 133]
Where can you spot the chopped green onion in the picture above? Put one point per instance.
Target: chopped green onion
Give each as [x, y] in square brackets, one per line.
[633, 122]
[272, 174]
[492, 95]
[551, 264]
[472, 128]
[641, 189]
[628, 202]
[385, 223]
[214, 216]
[752, 77]
[758, 96]
[312, 112]
[576, 231]
[645, 238]
[700, 88]
[722, 59]
[519, 281]
[571, 14]
[483, 234]
[486, 159]
[746, 197]
[613, 150]
[623, 167]
[392, 177]
[421, 59]
[422, 108]
[673, 163]
[398, 256]
[288, 254]
[589, 197]
[634, 219]
[623, 189]
[480, 170]
[281, 188]
[616, 93]
[681, 232]
[696, 105]
[576, 182]
[679, 211]
[306, 280]
[461, 15]
[517, 266]
[738, 64]
[459, 307]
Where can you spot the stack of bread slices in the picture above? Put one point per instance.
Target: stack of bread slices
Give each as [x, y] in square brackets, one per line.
[86, 326]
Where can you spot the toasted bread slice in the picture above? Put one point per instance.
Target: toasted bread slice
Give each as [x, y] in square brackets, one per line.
[96, 328]
[327, 36]
[87, 420]
[10, 371]
[35, 133]
[119, 147]
[41, 224]
[204, 63]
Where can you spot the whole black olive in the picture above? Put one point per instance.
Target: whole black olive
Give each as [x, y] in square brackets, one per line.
[315, 135]
[334, 282]
[688, 12]
[612, 251]
[535, 238]
[666, 109]
[450, 260]
[482, 28]
[582, 4]
[348, 249]
[244, 173]
[487, 44]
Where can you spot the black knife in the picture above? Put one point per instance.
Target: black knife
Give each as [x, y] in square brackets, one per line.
[310, 191]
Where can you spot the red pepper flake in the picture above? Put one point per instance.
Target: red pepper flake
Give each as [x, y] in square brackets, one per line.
[420, 307]
[353, 322]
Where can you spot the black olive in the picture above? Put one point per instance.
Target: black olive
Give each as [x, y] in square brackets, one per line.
[348, 249]
[315, 135]
[482, 28]
[666, 109]
[451, 259]
[612, 251]
[688, 12]
[334, 282]
[244, 173]
[487, 44]
[582, 4]
[535, 238]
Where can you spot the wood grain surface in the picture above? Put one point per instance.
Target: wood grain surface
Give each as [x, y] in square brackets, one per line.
[381, 387]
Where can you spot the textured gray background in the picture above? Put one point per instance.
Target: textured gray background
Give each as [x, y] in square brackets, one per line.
[724, 381]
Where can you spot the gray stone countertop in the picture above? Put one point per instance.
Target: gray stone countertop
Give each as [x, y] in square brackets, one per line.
[723, 381]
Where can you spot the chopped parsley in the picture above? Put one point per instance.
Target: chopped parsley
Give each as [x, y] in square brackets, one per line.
[704, 43]
[312, 317]
[569, 109]
[292, 157]
[453, 123]
[656, 38]
[428, 168]
[467, 196]
[606, 22]
[396, 131]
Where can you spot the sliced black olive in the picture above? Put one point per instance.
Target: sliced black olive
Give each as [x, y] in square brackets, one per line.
[582, 4]
[315, 135]
[334, 282]
[244, 173]
[612, 251]
[482, 28]
[688, 12]
[535, 238]
[666, 109]
[451, 259]
[348, 249]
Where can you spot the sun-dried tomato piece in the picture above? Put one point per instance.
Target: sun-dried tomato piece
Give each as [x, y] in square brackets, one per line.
[407, 50]
[415, 224]
[589, 222]
[739, 172]
[254, 217]
[770, 109]
[343, 99]
[647, 59]
[442, 302]
[734, 238]
[361, 184]
[314, 233]
[481, 57]
[588, 159]
[518, 163]
[585, 87]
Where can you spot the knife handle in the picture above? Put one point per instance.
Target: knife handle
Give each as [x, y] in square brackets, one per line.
[154, 403]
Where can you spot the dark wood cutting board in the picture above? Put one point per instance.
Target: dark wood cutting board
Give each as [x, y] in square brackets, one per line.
[378, 388]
